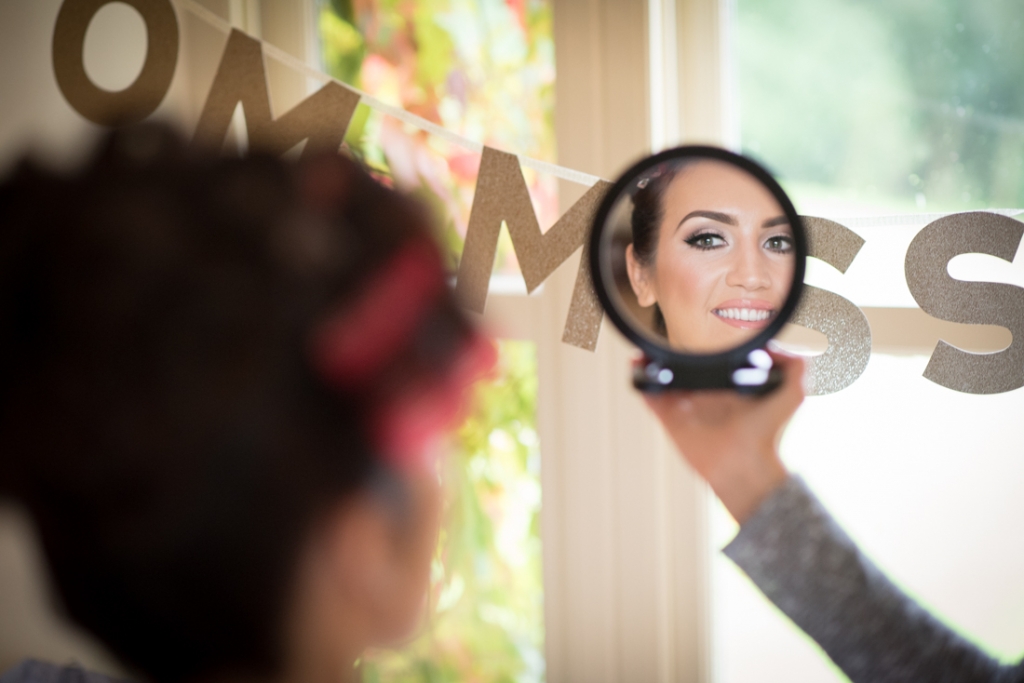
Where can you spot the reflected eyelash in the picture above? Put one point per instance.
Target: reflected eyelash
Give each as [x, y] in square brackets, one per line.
[788, 240]
[693, 240]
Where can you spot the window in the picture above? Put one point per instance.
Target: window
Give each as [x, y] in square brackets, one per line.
[484, 71]
[868, 109]
[485, 607]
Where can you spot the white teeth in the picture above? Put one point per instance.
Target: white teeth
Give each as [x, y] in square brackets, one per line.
[746, 314]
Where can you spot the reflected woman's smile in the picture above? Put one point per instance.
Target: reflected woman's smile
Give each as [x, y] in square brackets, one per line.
[712, 252]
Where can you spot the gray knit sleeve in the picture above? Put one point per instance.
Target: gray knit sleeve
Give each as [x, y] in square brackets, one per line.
[35, 671]
[805, 563]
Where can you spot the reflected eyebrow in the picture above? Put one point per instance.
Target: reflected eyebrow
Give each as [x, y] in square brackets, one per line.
[772, 222]
[713, 215]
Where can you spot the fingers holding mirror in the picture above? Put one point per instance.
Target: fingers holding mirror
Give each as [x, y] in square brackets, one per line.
[698, 256]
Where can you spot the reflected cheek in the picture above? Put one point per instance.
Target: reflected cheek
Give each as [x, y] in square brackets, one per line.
[688, 285]
[782, 279]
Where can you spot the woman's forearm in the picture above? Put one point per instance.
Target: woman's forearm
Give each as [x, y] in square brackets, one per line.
[806, 564]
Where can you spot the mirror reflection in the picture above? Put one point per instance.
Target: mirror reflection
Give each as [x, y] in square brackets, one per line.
[699, 254]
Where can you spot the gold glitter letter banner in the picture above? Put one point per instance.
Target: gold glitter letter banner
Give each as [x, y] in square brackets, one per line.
[974, 303]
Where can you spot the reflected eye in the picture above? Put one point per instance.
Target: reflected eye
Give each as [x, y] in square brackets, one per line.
[782, 244]
[706, 240]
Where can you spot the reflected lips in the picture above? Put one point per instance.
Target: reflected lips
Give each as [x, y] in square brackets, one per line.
[747, 314]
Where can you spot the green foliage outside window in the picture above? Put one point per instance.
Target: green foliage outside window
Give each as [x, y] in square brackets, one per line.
[898, 104]
[486, 604]
[483, 69]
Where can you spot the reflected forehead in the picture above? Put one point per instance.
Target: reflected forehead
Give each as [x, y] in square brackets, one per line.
[716, 185]
[723, 193]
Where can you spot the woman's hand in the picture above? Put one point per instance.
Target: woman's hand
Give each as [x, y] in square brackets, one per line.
[732, 440]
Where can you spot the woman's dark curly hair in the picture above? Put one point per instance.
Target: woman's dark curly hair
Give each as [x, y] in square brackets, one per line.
[159, 415]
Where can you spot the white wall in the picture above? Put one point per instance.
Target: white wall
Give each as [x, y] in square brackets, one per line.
[33, 113]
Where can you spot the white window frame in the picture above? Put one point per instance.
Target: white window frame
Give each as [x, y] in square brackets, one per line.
[623, 520]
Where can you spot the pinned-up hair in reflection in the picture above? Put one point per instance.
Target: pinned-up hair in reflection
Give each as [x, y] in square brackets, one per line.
[197, 356]
[648, 206]
[648, 212]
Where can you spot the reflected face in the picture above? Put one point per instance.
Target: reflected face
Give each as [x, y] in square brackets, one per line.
[724, 259]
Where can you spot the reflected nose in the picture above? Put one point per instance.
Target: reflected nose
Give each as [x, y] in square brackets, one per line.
[750, 270]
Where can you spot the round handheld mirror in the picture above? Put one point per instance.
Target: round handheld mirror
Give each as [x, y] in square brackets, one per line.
[698, 258]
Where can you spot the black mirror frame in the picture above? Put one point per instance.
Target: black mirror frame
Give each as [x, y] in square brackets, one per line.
[686, 371]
